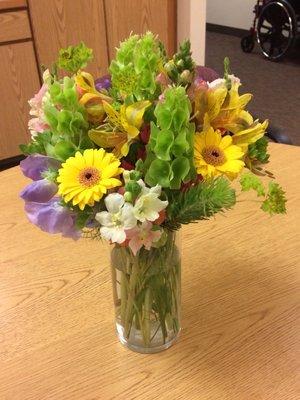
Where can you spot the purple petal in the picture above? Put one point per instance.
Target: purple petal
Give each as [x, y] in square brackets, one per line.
[52, 217]
[39, 191]
[103, 83]
[34, 165]
[205, 73]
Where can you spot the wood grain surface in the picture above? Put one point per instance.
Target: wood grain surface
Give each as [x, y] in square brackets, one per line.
[14, 26]
[9, 4]
[19, 81]
[60, 23]
[240, 308]
[139, 16]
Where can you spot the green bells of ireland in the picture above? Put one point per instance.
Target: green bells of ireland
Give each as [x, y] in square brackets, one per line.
[170, 151]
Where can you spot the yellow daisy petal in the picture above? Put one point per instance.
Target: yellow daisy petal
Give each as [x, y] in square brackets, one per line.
[212, 137]
[225, 142]
[233, 152]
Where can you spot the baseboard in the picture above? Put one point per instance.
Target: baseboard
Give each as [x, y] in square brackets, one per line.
[227, 30]
[10, 162]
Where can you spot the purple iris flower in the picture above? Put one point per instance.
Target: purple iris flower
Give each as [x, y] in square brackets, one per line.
[34, 165]
[52, 217]
[103, 83]
[39, 191]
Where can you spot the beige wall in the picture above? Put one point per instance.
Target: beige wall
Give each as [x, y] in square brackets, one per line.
[233, 13]
[191, 20]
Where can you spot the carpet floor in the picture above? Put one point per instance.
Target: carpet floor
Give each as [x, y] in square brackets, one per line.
[275, 86]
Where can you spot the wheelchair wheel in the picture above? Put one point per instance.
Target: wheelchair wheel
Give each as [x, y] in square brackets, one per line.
[276, 29]
[247, 43]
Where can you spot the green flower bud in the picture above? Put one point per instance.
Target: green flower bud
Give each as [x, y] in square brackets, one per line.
[169, 66]
[180, 63]
[128, 197]
[133, 187]
[135, 175]
[185, 76]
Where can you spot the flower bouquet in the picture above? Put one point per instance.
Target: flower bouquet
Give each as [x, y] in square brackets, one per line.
[134, 155]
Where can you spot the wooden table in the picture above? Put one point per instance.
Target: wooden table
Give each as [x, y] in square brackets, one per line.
[240, 296]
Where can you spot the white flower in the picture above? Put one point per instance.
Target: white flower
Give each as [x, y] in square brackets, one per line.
[117, 219]
[148, 204]
[217, 83]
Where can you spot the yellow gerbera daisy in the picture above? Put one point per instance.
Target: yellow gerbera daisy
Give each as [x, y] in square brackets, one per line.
[216, 155]
[86, 177]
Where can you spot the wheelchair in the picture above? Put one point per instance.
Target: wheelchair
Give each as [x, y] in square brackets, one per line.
[276, 27]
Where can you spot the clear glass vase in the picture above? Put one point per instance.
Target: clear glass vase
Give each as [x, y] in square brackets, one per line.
[146, 289]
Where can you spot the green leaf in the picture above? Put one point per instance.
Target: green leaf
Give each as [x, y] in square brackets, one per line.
[275, 202]
[158, 173]
[82, 219]
[164, 117]
[163, 144]
[250, 181]
[64, 149]
[258, 151]
[32, 148]
[180, 168]
[154, 134]
[50, 150]
[180, 145]
[179, 118]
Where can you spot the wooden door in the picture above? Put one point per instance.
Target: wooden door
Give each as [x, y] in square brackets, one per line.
[60, 23]
[19, 81]
[140, 16]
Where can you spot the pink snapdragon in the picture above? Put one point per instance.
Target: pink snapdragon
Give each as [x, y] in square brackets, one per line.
[38, 124]
[142, 235]
[36, 103]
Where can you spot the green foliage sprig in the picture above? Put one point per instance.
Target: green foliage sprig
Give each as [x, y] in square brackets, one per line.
[199, 202]
[274, 199]
[257, 152]
[74, 58]
[275, 202]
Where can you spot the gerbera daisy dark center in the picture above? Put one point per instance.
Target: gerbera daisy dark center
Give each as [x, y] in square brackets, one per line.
[89, 176]
[213, 155]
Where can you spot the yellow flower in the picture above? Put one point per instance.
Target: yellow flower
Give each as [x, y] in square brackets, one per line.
[216, 155]
[122, 128]
[250, 134]
[225, 108]
[86, 177]
[91, 99]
